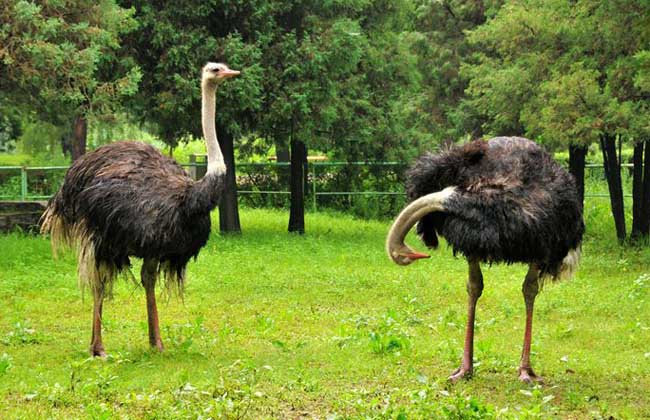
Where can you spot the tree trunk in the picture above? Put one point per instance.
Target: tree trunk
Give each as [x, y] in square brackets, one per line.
[305, 173]
[228, 208]
[282, 155]
[637, 190]
[281, 151]
[644, 221]
[66, 142]
[577, 156]
[297, 187]
[79, 136]
[613, 175]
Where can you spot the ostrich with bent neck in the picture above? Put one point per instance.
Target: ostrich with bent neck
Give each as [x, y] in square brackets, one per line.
[125, 200]
[501, 200]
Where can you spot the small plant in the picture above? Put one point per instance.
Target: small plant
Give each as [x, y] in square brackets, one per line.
[466, 407]
[232, 396]
[103, 381]
[640, 287]
[99, 411]
[183, 336]
[5, 363]
[22, 334]
[387, 343]
[264, 323]
[388, 336]
[540, 403]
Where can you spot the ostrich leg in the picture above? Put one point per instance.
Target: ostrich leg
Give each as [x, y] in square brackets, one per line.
[474, 291]
[530, 288]
[149, 274]
[96, 345]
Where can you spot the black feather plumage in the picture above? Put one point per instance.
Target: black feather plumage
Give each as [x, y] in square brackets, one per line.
[133, 201]
[514, 203]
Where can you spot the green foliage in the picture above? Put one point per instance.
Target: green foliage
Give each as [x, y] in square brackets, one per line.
[60, 58]
[21, 334]
[10, 129]
[5, 363]
[560, 71]
[335, 75]
[41, 138]
[442, 47]
[570, 108]
[171, 45]
[10, 186]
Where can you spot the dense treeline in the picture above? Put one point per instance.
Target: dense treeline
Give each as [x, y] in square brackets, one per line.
[354, 79]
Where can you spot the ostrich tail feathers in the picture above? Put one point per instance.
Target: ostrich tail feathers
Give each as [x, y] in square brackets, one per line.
[98, 276]
[93, 275]
[174, 277]
[570, 264]
[61, 234]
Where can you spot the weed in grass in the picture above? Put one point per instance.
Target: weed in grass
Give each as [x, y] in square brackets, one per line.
[640, 288]
[22, 334]
[184, 336]
[264, 323]
[231, 396]
[387, 335]
[99, 411]
[5, 363]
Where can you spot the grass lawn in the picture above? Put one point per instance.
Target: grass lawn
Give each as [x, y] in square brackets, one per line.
[324, 325]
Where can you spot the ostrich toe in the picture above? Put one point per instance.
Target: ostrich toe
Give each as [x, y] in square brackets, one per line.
[460, 373]
[98, 351]
[158, 345]
[527, 375]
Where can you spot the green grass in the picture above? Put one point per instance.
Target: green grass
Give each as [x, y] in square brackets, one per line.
[284, 326]
[15, 159]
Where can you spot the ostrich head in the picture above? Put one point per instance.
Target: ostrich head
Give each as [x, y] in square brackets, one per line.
[402, 254]
[216, 73]
[396, 249]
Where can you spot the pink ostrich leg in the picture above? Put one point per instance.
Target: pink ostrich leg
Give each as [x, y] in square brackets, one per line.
[530, 288]
[149, 274]
[474, 291]
[96, 345]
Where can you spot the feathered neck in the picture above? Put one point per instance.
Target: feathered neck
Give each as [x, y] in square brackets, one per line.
[216, 163]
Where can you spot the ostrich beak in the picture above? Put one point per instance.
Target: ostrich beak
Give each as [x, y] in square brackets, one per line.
[229, 73]
[416, 255]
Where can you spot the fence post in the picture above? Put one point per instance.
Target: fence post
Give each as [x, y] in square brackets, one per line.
[313, 185]
[23, 183]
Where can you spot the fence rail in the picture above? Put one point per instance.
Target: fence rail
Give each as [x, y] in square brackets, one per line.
[328, 184]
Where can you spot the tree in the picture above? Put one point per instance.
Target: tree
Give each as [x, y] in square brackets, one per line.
[442, 47]
[172, 43]
[341, 80]
[560, 72]
[10, 128]
[622, 34]
[60, 60]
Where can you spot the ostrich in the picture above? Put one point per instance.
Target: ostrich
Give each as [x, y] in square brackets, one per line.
[127, 199]
[501, 200]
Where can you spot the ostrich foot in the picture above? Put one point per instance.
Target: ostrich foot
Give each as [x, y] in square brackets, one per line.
[460, 373]
[97, 350]
[527, 375]
[158, 345]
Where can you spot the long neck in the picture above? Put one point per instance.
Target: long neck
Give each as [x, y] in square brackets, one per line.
[414, 212]
[216, 163]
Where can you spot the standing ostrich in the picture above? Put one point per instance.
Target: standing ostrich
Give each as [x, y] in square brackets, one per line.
[127, 199]
[501, 200]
